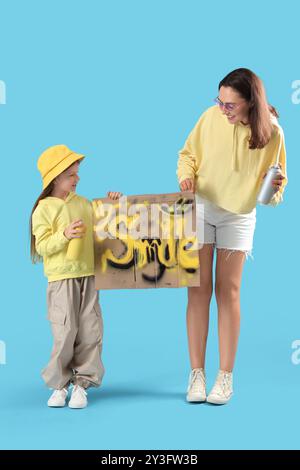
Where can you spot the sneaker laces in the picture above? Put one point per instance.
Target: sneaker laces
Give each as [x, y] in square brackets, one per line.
[197, 380]
[78, 390]
[223, 384]
[59, 392]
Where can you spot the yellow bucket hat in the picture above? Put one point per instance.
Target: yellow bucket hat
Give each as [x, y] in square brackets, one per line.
[54, 160]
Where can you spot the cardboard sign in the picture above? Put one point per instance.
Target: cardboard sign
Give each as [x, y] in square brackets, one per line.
[146, 241]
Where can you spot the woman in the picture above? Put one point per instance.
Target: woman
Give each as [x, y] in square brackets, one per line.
[224, 160]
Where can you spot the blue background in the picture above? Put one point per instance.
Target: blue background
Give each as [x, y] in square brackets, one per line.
[124, 83]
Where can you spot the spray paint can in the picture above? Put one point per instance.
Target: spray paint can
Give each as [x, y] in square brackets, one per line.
[267, 190]
[75, 245]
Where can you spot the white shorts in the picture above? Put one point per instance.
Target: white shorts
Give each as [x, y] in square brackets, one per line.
[224, 229]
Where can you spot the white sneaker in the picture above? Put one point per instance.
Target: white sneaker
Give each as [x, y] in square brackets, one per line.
[58, 398]
[222, 391]
[196, 391]
[78, 397]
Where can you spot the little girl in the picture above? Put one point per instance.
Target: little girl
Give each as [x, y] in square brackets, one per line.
[58, 216]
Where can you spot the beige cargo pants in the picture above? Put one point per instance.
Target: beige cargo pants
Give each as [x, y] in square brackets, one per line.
[76, 321]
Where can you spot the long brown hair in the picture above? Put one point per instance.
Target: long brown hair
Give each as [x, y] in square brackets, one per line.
[35, 257]
[251, 88]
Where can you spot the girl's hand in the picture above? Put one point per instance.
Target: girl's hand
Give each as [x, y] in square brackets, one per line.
[114, 195]
[187, 185]
[277, 181]
[75, 230]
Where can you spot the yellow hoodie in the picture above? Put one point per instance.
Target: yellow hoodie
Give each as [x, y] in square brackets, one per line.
[49, 220]
[229, 174]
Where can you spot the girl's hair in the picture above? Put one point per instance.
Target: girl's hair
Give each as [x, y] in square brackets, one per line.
[35, 257]
[251, 88]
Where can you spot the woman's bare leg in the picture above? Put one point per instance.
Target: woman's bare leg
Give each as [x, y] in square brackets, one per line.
[229, 267]
[198, 308]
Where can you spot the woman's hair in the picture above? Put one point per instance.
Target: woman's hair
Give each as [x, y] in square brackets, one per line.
[35, 257]
[251, 88]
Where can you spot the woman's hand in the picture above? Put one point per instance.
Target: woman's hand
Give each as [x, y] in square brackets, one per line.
[75, 230]
[187, 185]
[114, 195]
[277, 181]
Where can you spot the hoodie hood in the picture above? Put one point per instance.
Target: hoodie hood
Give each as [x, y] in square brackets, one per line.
[58, 205]
[57, 201]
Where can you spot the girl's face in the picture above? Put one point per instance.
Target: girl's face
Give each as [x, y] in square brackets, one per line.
[67, 180]
[233, 105]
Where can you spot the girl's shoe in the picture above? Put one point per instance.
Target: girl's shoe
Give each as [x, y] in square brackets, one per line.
[78, 397]
[58, 398]
[222, 391]
[196, 391]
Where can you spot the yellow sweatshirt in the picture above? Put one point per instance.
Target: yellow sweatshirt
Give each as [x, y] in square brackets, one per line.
[49, 220]
[229, 174]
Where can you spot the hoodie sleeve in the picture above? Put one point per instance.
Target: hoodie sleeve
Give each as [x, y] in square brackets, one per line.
[47, 243]
[278, 196]
[187, 165]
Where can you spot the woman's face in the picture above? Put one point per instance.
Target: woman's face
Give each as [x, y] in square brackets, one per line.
[68, 179]
[233, 105]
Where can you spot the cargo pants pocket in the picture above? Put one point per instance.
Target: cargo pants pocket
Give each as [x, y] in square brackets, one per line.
[96, 330]
[56, 314]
